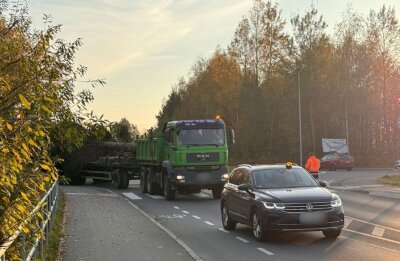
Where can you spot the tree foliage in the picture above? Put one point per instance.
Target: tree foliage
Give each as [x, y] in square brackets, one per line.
[39, 109]
[348, 81]
[124, 131]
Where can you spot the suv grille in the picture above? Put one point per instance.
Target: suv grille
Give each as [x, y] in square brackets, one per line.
[302, 207]
[202, 157]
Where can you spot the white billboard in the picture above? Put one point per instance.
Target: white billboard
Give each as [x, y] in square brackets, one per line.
[334, 145]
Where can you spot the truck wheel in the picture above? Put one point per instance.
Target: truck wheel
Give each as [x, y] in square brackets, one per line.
[169, 194]
[143, 185]
[217, 192]
[151, 188]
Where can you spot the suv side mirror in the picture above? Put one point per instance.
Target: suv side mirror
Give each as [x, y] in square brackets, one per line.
[244, 187]
[322, 183]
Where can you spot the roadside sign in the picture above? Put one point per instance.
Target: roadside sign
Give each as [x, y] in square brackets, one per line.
[397, 99]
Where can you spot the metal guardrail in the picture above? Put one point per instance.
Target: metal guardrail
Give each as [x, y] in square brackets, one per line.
[34, 250]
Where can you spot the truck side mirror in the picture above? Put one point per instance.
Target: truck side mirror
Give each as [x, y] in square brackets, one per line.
[233, 136]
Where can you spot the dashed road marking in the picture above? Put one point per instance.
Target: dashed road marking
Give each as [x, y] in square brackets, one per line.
[175, 207]
[265, 251]
[378, 231]
[196, 217]
[242, 239]
[131, 195]
[223, 230]
[155, 196]
[209, 223]
[347, 222]
[186, 212]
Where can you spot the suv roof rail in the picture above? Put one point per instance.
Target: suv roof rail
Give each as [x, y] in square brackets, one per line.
[244, 165]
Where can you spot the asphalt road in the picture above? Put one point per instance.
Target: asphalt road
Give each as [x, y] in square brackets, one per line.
[372, 227]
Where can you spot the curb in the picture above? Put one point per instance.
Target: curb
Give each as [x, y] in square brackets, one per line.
[385, 194]
[373, 190]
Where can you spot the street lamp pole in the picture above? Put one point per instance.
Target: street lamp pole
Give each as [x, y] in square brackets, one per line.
[301, 141]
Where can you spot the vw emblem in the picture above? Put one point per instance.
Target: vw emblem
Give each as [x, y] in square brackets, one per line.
[309, 207]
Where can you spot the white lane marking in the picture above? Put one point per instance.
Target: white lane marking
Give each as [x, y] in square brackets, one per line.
[223, 230]
[186, 212]
[368, 235]
[242, 239]
[265, 251]
[378, 231]
[91, 194]
[155, 196]
[131, 195]
[209, 223]
[374, 224]
[347, 222]
[196, 217]
[169, 233]
[175, 207]
[362, 242]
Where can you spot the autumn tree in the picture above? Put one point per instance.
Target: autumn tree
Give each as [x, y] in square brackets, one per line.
[38, 106]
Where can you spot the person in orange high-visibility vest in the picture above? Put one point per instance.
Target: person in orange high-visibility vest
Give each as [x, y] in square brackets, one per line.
[312, 164]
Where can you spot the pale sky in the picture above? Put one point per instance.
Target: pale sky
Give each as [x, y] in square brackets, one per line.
[142, 47]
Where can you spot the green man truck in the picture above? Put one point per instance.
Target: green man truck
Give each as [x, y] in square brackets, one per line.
[186, 156]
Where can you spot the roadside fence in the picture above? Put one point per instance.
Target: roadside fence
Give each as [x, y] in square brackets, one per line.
[32, 248]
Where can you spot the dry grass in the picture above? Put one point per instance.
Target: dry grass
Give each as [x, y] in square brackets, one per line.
[390, 180]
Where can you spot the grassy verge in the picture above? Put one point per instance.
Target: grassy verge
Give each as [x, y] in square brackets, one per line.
[57, 230]
[390, 180]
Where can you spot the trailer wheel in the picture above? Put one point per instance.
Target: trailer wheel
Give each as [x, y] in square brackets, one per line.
[124, 179]
[151, 186]
[143, 185]
[117, 180]
[78, 180]
[169, 193]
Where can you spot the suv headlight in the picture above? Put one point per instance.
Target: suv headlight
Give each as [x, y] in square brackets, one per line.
[270, 205]
[336, 202]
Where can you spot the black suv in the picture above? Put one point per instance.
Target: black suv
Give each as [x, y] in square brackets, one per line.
[282, 197]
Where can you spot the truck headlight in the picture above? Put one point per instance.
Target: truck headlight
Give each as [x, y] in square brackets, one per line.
[225, 177]
[180, 178]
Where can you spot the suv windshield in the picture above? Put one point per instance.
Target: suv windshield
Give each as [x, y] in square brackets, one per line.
[202, 137]
[283, 178]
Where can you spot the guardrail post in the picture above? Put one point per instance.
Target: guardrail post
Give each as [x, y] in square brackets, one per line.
[22, 249]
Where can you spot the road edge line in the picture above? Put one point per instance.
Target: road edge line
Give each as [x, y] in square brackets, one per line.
[169, 233]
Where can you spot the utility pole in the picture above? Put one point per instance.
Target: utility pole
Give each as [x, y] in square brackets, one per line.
[301, 141]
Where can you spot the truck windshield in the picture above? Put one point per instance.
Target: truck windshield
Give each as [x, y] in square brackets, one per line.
[198, 137]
